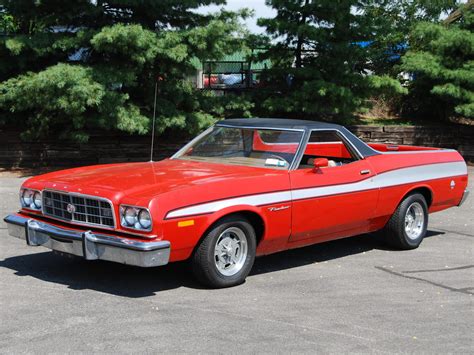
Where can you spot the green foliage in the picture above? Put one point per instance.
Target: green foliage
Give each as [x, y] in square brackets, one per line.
[321, 40]
[392, 22]
[222, 35]
[129, 44]
[125, 46]
[7, 23]
[441, 59]
[330, 57]
[50, 96]
[69, 67]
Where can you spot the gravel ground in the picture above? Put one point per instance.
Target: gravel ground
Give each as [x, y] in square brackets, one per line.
[352, 295]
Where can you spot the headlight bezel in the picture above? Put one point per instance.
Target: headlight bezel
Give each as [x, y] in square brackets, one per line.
[40, 200]
[148, 215]
[32, 206]
[137, 210]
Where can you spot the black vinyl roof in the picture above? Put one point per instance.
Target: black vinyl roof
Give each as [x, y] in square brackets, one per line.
[284, 123]
[278, 123]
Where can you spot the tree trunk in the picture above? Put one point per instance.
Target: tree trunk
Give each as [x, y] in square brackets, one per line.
[299, 43]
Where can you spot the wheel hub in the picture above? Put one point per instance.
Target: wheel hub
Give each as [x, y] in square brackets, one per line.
[414, 221]
[230, 251]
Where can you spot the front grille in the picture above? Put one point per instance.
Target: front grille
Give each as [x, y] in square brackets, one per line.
[78, 209]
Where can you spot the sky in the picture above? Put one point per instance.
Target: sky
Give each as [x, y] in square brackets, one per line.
[258, 6]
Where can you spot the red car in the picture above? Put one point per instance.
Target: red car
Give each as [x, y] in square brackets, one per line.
[242, 188]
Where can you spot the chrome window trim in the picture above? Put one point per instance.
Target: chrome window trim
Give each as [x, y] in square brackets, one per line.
[363, 142]
[347, 140]
[441, 150]
[339, 133]
[328, 142]
[81, 223]
[136, 229]
[260, 128]
[299, 153]
[187, 146]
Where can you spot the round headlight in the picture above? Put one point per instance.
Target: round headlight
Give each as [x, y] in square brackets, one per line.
[37, 200]
[27, 198]
[144, 219]
[130, 216]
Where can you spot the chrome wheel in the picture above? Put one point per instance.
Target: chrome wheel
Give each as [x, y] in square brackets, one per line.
[230, 251]
[414, 221]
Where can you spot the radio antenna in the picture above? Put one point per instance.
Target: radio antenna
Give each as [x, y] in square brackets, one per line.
[153, 126]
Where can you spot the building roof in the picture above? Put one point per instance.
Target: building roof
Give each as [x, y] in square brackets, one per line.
[235, 62]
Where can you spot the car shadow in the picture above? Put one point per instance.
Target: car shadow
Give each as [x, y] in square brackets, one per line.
[316, 253]
[135, 282]
[101, 276]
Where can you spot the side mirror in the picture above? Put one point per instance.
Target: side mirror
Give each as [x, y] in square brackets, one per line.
[320, 163]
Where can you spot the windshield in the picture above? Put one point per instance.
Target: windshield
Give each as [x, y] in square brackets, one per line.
[266, 148]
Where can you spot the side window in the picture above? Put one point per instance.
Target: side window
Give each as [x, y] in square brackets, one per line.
[330, 145]
[324, 137]
[279, 137]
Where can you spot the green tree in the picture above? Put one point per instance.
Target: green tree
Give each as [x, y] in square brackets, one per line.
[7, 23]
[330, 56]
[392, 22]
[441, 59]
[322, 58]
[68, 67]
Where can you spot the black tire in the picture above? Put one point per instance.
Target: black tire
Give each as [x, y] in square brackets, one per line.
[203, 260]
[394, 231]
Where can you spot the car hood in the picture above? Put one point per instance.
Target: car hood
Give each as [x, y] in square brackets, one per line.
[142, 180]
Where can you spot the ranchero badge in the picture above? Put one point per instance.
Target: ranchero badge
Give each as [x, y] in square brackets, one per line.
[70, 208]
[274, 209]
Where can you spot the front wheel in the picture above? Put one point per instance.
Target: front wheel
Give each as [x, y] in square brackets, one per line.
[226, 254]
[407, 226]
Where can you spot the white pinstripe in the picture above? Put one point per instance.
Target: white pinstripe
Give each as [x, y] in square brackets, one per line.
[390, 178]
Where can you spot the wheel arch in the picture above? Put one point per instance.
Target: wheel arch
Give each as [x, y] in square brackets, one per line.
[424, 190]
[250, 213]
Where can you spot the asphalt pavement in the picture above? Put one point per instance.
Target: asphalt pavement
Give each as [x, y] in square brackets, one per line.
[351, 295]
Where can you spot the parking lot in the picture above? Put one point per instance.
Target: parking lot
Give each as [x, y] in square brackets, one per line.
[352, 295]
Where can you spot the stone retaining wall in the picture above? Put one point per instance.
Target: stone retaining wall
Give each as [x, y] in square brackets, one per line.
[113, 147]
[100, 149]
[457, 137]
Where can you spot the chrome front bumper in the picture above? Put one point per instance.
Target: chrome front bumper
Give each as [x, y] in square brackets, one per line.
[464, 197]
[89, 245]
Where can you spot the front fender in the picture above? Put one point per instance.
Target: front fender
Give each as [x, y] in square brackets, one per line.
[185, 233]
[214, 217]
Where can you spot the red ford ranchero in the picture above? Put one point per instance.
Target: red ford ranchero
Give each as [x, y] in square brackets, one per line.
[241, 189]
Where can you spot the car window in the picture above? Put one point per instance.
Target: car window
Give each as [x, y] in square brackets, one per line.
[266, 148]
[330, 145]
[225, 142]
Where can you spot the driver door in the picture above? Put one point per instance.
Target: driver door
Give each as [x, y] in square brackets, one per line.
[334, 201]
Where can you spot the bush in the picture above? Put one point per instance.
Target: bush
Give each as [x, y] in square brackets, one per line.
[441, 60]
[92, 66]
[66, 101]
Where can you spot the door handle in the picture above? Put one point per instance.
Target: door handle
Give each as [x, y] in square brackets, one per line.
[364, 172]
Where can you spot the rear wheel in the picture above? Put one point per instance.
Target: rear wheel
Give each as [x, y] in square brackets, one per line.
[407, 226]
[226, 254]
